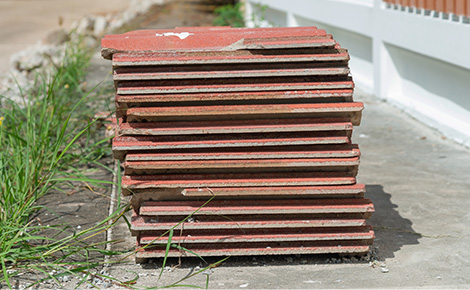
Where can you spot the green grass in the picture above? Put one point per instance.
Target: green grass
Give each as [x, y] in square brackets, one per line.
[47, 142]
[229, 15]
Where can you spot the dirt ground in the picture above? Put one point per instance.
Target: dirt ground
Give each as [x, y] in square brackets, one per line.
[417, 180]
[24, 23]
[178, 13]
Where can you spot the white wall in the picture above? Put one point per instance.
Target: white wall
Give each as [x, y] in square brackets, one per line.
[417, 60]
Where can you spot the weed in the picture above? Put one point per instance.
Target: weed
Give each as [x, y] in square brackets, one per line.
[45, 142]
[258, 17]
[229, 15]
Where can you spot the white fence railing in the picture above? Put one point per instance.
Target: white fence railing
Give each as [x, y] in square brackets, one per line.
[419, 61]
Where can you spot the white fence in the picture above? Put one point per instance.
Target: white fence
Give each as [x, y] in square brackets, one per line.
[416, 59]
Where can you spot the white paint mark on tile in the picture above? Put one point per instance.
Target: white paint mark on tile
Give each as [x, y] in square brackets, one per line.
[181, 35]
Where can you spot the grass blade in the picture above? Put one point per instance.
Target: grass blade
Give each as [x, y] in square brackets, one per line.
[167, 250]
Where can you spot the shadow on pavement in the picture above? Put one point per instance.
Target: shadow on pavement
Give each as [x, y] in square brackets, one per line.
[392, 231]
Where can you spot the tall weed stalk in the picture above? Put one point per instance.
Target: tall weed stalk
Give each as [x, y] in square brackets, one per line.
[43, 141]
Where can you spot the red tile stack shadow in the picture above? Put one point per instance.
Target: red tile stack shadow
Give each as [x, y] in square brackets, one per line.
[261, 118]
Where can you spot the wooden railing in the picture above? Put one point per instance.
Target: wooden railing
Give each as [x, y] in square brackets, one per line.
[457, 7]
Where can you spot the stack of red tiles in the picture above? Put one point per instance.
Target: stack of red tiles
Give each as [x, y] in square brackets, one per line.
[257, 120]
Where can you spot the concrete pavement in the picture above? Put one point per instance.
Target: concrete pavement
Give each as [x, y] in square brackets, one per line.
[419, 183]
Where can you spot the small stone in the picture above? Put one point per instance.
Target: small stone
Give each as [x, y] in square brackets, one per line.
[115, 24]
[100, 25]
[384, 270]
[104, 272]
[57, 37]
[207, 272]
[85, 25]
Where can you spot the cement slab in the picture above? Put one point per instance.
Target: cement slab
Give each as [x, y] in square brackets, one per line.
[418, 182]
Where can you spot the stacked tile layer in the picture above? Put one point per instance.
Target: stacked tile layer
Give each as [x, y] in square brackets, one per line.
[259, 121]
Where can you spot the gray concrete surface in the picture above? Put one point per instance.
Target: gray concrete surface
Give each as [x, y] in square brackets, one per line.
[419, 183]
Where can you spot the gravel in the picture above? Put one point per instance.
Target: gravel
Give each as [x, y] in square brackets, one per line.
[41, 58]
